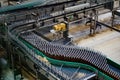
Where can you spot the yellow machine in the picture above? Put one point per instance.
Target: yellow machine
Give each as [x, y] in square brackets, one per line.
[60, 27]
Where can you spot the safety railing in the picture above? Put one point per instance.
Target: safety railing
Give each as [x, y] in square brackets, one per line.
[48, 67]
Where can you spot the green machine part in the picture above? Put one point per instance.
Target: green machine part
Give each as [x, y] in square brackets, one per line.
[66, 63]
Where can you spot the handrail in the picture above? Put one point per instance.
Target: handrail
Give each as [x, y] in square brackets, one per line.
[31, 54]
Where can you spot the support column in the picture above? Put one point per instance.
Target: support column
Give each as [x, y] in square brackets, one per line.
[12, 61]
[91, 24]
[65, 33]
[91, 27]
[20, 68]
[94, 27]
[113, 17]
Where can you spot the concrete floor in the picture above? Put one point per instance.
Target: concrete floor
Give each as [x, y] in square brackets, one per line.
[106, 42]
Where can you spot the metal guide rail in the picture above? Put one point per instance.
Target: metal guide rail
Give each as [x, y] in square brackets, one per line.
[55, 72]
[70, 53]
[67, 53]
[50, 11]
[62, 52]
[31, 55]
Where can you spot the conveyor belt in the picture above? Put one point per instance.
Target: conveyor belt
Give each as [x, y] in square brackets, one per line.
[33, 4]
[71, 53]
[21, 6]
[68, 53]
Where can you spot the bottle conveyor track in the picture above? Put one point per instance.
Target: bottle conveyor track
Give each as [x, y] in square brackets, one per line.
[65, 53]
[69, 53]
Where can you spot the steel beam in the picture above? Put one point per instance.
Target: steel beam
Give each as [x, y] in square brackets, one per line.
[117, 13]
[108, 26]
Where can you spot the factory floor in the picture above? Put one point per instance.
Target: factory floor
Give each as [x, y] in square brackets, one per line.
[106, 42]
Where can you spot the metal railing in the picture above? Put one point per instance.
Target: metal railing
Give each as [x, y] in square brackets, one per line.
[47, 67]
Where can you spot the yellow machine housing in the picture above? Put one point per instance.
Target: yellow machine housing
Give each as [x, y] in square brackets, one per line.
[60, 27]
